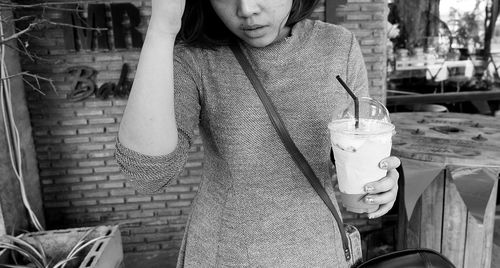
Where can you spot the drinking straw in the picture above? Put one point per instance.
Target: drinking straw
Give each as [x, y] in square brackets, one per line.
[356, 101]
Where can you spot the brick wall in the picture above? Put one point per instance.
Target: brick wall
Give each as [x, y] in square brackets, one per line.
[74, 140]
[367, 20]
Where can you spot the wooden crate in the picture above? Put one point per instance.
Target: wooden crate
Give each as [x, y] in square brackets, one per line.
[105, 253]
[441, 221]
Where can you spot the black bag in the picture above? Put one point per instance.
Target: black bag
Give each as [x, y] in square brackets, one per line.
[410, 258]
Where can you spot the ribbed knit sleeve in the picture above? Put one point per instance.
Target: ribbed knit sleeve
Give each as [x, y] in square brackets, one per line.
[357, 76]
[150, 174]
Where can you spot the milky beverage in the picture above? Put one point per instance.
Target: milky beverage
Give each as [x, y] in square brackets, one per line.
[357, 153]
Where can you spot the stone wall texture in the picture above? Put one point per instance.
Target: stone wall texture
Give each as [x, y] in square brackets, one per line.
[74, 140]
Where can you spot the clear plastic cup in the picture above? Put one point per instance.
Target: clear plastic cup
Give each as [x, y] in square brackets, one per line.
[358, 151]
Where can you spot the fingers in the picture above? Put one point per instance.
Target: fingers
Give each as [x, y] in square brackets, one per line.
[383, 198]
[390, 162]
[383, 185]
[385, 190]
[382, 210]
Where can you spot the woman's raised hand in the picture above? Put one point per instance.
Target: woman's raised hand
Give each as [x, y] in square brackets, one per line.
[166, 16]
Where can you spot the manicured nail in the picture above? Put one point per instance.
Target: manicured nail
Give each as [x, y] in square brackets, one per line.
[369, 188]
[369, 200]
[384, 165]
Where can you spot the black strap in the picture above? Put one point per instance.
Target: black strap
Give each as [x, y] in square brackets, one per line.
[292, 149]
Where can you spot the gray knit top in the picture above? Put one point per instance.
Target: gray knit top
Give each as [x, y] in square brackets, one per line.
[254, 208]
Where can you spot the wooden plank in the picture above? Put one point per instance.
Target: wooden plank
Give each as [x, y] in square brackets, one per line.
[432, 214]
[402, 216]
[414, 225]
[454, 224]
[443, 97]
[489, 226]
[479, 243]
[474, 243]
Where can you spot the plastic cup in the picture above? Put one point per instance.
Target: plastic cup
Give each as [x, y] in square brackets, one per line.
[358, 151]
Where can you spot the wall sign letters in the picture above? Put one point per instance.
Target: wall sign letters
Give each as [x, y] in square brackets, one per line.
[124, 19]
[83, 84]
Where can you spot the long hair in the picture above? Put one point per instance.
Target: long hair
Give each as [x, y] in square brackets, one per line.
[201, 27]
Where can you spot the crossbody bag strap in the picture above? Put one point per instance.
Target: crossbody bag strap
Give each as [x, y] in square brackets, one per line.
[290, 146]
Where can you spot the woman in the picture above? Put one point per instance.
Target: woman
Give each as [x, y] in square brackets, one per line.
[254, 207]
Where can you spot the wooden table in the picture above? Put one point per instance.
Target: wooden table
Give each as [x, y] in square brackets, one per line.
[452, 156]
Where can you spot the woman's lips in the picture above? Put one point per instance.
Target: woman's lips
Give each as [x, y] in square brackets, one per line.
[253, 31]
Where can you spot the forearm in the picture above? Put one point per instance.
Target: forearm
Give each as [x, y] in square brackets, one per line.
[148, 125]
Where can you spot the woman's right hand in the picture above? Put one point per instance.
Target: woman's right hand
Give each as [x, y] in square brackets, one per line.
[166, 16]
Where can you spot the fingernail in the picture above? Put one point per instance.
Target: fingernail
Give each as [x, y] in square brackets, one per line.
[369, 188]
[384, 165]
[369, 200]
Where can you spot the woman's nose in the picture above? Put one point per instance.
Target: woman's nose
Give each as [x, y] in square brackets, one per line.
[248, 8]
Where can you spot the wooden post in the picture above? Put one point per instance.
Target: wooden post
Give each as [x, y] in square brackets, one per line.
[13, 214]
[331, 10]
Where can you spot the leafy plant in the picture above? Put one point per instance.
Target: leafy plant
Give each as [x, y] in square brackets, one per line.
[466, 26]
[34, 255]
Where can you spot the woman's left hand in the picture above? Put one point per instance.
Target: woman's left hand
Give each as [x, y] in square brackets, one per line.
[385, 190]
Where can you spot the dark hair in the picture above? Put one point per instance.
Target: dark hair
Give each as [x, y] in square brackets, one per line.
[201, 27]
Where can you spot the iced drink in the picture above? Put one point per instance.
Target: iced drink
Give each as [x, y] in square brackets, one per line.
[357, 153]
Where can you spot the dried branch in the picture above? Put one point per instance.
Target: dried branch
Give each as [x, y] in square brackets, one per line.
[44, 5]
[37, 22]
[18, 34]
[37, 78]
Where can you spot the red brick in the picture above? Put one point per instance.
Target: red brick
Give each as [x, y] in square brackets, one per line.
[94, 178]
[96, 194]
[91, 163]
[94, 121]
[122, 192]
[138, 199]
[109, 185]
[103, 138]
[90, 147]
[145, 230]
[60, 204]
[73, 122]
[83, 187]
[112, 200]
[176, 204]
[169, 212]
[98, 103]
[62, 132]
[79, 171]
[67, 180]
[147, 247]
[165, 197]
[99, 209]
[108, 153]
[140, 214]
[91, 130]
[127, 207]
[84, 203]
[106, 169]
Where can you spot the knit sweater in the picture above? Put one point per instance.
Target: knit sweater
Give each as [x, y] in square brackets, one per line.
[254, 207]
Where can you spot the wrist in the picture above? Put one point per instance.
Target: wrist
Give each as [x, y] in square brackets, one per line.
[160, 28]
